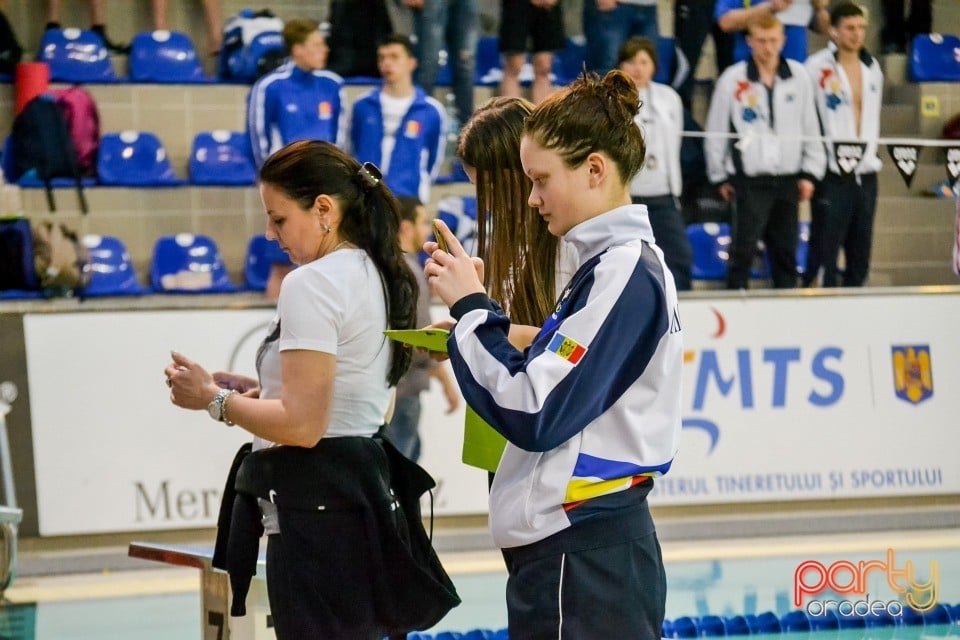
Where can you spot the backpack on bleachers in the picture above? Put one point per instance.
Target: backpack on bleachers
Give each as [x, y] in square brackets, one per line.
[41, 142]
[252, 45]
[16, 256]
[83, 123]
[59, 259]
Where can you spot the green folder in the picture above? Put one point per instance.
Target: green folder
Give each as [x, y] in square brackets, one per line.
[482, 445]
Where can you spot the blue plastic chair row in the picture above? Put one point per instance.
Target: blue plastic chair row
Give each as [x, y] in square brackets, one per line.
[139, 159]
[182, 263]
[77, 55]
[934, 58]
[710, 242]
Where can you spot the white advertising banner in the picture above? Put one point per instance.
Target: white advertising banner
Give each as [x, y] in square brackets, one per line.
[111, 452]
[800, 398]
[791, 398]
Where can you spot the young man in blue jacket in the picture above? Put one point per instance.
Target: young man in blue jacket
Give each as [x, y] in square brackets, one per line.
[300, 100]
[397, 126]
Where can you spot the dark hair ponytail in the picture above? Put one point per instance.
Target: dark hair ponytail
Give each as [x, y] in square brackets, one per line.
[371, 220]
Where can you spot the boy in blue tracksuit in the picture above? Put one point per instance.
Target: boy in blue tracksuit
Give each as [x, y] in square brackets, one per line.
[397, 126]
[300, 100]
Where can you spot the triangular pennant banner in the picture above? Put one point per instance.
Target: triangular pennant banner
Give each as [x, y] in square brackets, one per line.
[906, 157]
[953, 165]
[848, 156]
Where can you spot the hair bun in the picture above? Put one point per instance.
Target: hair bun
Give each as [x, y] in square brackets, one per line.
[620, 88]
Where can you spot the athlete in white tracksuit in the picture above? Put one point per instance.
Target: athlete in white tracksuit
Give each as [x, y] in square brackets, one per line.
[591, 408]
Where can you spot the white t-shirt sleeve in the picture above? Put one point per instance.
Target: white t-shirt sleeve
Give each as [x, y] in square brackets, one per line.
[311, 309]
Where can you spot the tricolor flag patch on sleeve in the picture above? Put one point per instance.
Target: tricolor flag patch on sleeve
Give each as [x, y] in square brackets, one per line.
[566, 348]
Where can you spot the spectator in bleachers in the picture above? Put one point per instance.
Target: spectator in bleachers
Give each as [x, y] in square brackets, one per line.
[397, 126]
[455, 25]
[692, 22]
[356, 26]
[898, 29]
[768, 102]
[541, 22]
[607, 24]
[213, 18]
[659, 183]
[98, 22]
[848, 85]
[300, 100]
[796, 16]
[403, 428]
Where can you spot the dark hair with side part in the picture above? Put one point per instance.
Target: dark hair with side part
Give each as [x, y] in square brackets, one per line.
[520, 254]
[635, 45]
[592, 115]
[297, 31]
[371, 220]
[400, 39]
[846, 10]
[408, 207]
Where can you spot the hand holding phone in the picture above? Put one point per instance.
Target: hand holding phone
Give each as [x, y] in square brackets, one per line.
[438, 236]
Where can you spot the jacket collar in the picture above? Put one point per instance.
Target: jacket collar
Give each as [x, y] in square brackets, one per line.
[617, 226]
[753, 73]
[865, 56]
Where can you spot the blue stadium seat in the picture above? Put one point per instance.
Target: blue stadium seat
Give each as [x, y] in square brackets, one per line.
[222, 158]
[136, 159]
[188, 263]
[826, 621]
[111, 270]
[165, 57]
[934, 58]
[803, 247]
[261, 255]
[666, 630]
[710, 242]
[75, 55]
[489, 68]
[568, 62]
[666, 54]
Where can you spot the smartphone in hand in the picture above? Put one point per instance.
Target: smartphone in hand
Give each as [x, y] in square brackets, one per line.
[439, 237]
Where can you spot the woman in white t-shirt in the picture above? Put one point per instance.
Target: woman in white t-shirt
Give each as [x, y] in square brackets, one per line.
[325, 371]
[659, 183]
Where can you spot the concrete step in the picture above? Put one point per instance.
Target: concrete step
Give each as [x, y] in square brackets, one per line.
[898, 120]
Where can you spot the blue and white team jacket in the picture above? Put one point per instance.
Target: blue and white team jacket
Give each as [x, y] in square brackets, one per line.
[592, 407]
[418, 149]
[291, 104]
[778, 127]
[834, 96]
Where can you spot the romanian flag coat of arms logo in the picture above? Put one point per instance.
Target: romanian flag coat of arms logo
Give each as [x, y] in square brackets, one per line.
[912, 372]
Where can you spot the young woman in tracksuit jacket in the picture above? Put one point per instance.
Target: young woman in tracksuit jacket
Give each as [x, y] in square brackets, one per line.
[591, 409]
[845, 202]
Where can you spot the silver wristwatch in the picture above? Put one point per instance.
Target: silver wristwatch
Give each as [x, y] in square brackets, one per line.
[217, 406]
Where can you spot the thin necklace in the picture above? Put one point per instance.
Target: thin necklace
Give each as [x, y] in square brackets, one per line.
[343, 243]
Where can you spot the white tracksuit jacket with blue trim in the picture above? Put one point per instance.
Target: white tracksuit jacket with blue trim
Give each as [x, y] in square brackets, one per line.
[593, 405]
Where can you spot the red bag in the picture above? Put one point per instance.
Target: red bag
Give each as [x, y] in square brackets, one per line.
[83, 122]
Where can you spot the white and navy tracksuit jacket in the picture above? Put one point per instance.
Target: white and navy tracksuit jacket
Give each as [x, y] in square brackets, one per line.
[835, 105]
[592, 407]
[291, 104]
[770, 124]
[418, 147]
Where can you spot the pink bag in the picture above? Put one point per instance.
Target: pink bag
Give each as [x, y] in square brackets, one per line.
[83, 122]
